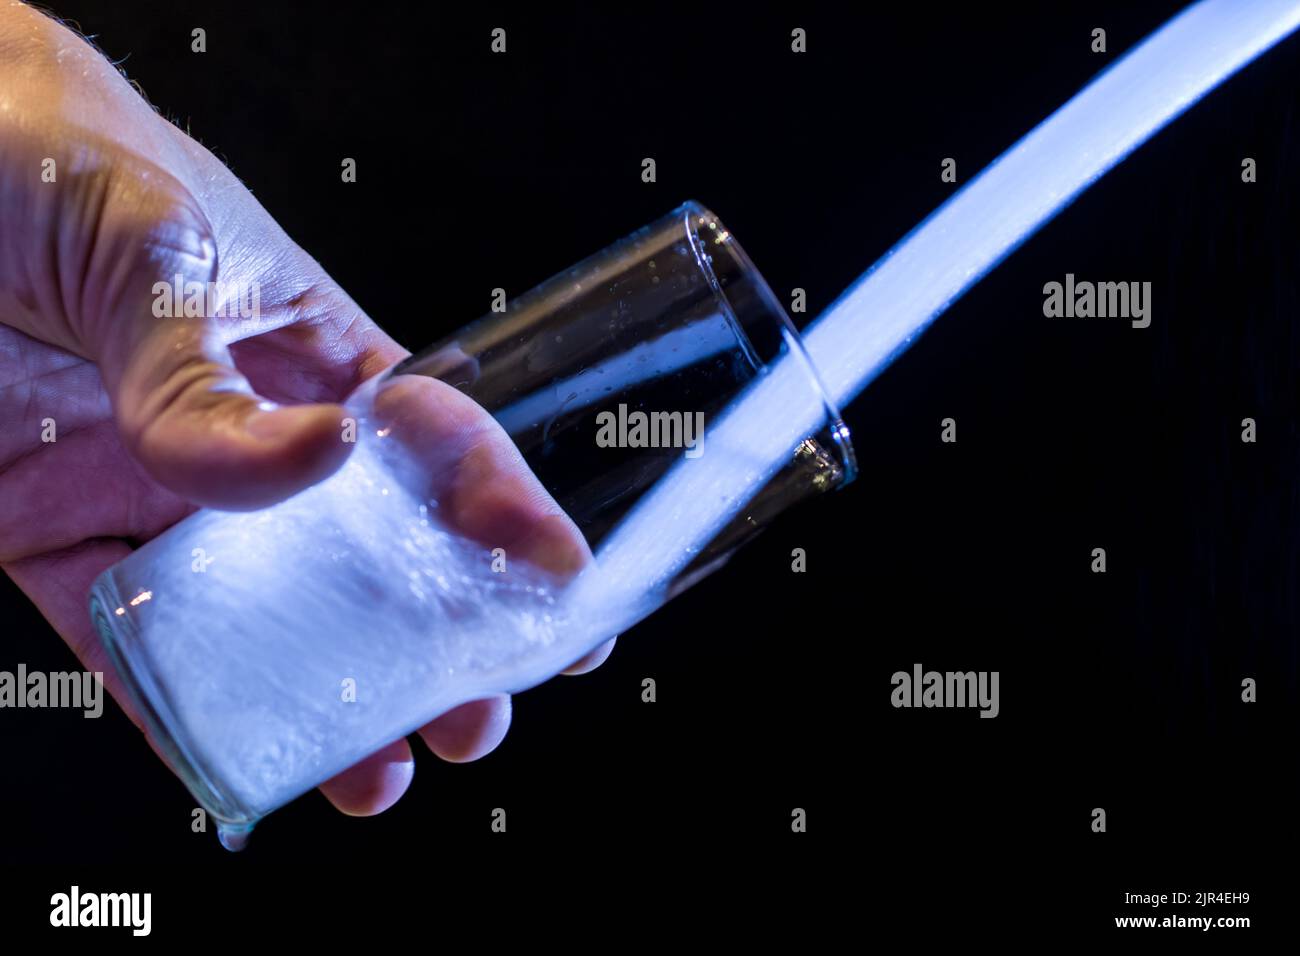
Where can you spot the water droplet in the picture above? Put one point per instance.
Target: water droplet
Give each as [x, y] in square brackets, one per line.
[233, 838]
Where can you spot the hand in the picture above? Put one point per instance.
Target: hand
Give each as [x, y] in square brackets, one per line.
[100, 198]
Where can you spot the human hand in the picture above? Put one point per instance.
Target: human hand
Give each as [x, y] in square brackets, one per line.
[101, 198]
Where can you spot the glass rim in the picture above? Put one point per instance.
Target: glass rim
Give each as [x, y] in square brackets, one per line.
[695, 215]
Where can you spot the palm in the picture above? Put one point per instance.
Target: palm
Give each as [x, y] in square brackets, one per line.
[60, 441]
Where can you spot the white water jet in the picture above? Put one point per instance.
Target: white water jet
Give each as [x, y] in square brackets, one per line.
[897, 299]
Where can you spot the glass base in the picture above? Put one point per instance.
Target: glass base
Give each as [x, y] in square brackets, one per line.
[117, 633]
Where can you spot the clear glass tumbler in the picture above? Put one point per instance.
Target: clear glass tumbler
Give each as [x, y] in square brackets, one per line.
[270, 650]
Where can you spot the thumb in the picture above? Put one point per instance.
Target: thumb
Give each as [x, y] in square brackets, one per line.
[81, 252]
[183, 409]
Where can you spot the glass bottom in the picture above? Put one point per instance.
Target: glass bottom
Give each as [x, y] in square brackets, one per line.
[118, 634]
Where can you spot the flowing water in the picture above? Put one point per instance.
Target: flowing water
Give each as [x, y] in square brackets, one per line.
[345, 617]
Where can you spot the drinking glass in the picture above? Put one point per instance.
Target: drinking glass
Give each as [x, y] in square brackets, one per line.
[270, 650]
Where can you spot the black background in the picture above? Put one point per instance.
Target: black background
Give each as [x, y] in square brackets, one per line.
[1119, 690]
